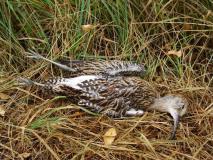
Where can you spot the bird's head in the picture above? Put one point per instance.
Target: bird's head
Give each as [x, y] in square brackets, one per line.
[175, 105]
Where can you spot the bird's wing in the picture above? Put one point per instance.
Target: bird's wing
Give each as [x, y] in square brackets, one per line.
[112, 97]
[107, 68]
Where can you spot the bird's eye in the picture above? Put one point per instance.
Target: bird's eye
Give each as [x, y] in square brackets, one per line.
[182, 106]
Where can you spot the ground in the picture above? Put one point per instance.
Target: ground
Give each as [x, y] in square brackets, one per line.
[172, 38]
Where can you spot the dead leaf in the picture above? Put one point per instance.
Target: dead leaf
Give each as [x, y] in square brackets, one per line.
[174, 52]
[109, 136]
[187, 26]
[4, 96]
[88, 27]
[2, 110]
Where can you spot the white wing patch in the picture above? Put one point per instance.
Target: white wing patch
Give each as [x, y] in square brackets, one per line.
[74, 82]
[133, 112]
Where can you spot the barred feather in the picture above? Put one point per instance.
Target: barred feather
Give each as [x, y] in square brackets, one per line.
[114, 96]
[105, 68]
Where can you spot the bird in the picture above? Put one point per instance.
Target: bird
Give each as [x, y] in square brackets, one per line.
[105, 68]
[116, 97]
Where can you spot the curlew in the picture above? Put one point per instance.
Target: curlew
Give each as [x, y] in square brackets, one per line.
[116, 97]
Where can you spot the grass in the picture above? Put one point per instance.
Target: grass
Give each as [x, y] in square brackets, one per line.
[37, 126]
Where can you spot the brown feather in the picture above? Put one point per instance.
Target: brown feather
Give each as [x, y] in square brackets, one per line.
[106, 68]
[114, 94]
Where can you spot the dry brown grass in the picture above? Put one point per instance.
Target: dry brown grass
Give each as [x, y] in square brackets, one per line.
[39, 126]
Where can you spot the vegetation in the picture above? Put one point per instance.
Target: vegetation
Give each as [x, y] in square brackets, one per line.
[39, 126]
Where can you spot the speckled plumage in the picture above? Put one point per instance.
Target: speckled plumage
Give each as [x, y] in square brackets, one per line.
[111, 68]
[115, 97]
[105, 68]
[112, 96]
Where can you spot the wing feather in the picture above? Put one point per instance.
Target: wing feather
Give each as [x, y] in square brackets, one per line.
[107, 68]
[111, 96]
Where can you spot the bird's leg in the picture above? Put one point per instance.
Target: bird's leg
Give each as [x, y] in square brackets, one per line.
[113, 113]
[98, 109]
[124, 111]
[34, 55]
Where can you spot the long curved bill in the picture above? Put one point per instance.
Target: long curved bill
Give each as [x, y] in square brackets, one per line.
[176, 119]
